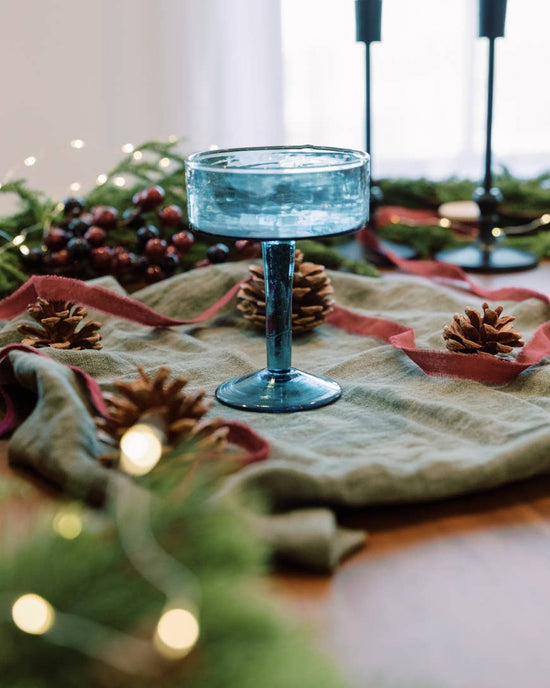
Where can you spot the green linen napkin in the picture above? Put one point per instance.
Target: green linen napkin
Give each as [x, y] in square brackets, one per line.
[396, 434]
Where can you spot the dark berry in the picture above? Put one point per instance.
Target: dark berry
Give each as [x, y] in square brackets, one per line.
[247, 248]
[87, 217]
[138, 263]
[122, 259]
[78, 247]
[78, 227]
[105, 216]
[59, 258]
[170, 216]
[169, 263]
[183, 241]
[218, 253]
[33, 259]
[102, 259]
[154, 273]
[73, 207]
[133, 218]
[56, 238]
[150, 198]
[144, 234]
[155, 249]
[95, 236]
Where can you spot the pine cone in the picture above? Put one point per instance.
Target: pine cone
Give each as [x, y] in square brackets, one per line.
[489, 334]
[311, 296]
[181, 411]
[59, 320]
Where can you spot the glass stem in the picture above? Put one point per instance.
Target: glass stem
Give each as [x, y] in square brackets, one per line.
[278, 272]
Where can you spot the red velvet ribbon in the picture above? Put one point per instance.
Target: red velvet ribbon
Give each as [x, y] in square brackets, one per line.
[433, 362]
[388, 214]
[446, 272]
[53, 287]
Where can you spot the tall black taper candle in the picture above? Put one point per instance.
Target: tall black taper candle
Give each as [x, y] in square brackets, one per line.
[492, 17]
[485, 255]
[368, 22]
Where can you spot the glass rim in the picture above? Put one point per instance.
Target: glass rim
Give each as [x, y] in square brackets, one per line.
[196, 161]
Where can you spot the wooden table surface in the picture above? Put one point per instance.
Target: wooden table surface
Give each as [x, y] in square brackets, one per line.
[454, 594]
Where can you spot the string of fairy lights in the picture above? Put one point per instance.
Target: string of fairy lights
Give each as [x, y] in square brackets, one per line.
[461, 216]
[74, 187]
[118, 180]
[177, 629]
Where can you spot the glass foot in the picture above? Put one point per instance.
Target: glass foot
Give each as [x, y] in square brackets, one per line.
[271, 392]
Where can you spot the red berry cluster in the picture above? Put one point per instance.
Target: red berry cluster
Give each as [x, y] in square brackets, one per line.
[83, 241]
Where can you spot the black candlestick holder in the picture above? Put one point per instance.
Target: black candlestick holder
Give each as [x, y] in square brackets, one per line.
[485, 254]
[368, 16]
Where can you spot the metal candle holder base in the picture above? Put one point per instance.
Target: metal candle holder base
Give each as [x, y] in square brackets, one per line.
[485, 255]
[479, 258]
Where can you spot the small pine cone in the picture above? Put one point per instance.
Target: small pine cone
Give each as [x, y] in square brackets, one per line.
[182, 412]
[59, 320]
[489, 334]
[311, 296]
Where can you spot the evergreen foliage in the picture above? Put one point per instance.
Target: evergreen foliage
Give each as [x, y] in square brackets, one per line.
[244, 642]
[327, 255]
[426, 239]
[521, 197]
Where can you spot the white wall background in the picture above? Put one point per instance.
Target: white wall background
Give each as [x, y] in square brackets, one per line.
[116, 71]
[429, 76]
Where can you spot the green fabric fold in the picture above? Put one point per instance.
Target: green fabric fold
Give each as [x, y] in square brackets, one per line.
[57, 441]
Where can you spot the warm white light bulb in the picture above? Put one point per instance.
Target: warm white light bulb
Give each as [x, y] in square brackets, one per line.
[177, 633]
[445, 222]
[137, 155]
[30, 161]
[164, 162]
[127, 148]
[119, 181]
[77, 143]
[101, 179]
[172, 138]
[496, 231]
[33, 614]
[75, 186]
[545, 219]
[25, 250]
[18, 240]
[140, 449]
[67, 524]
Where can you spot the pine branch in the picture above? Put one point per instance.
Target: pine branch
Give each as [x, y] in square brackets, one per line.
[426, 239]
[243, 638]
